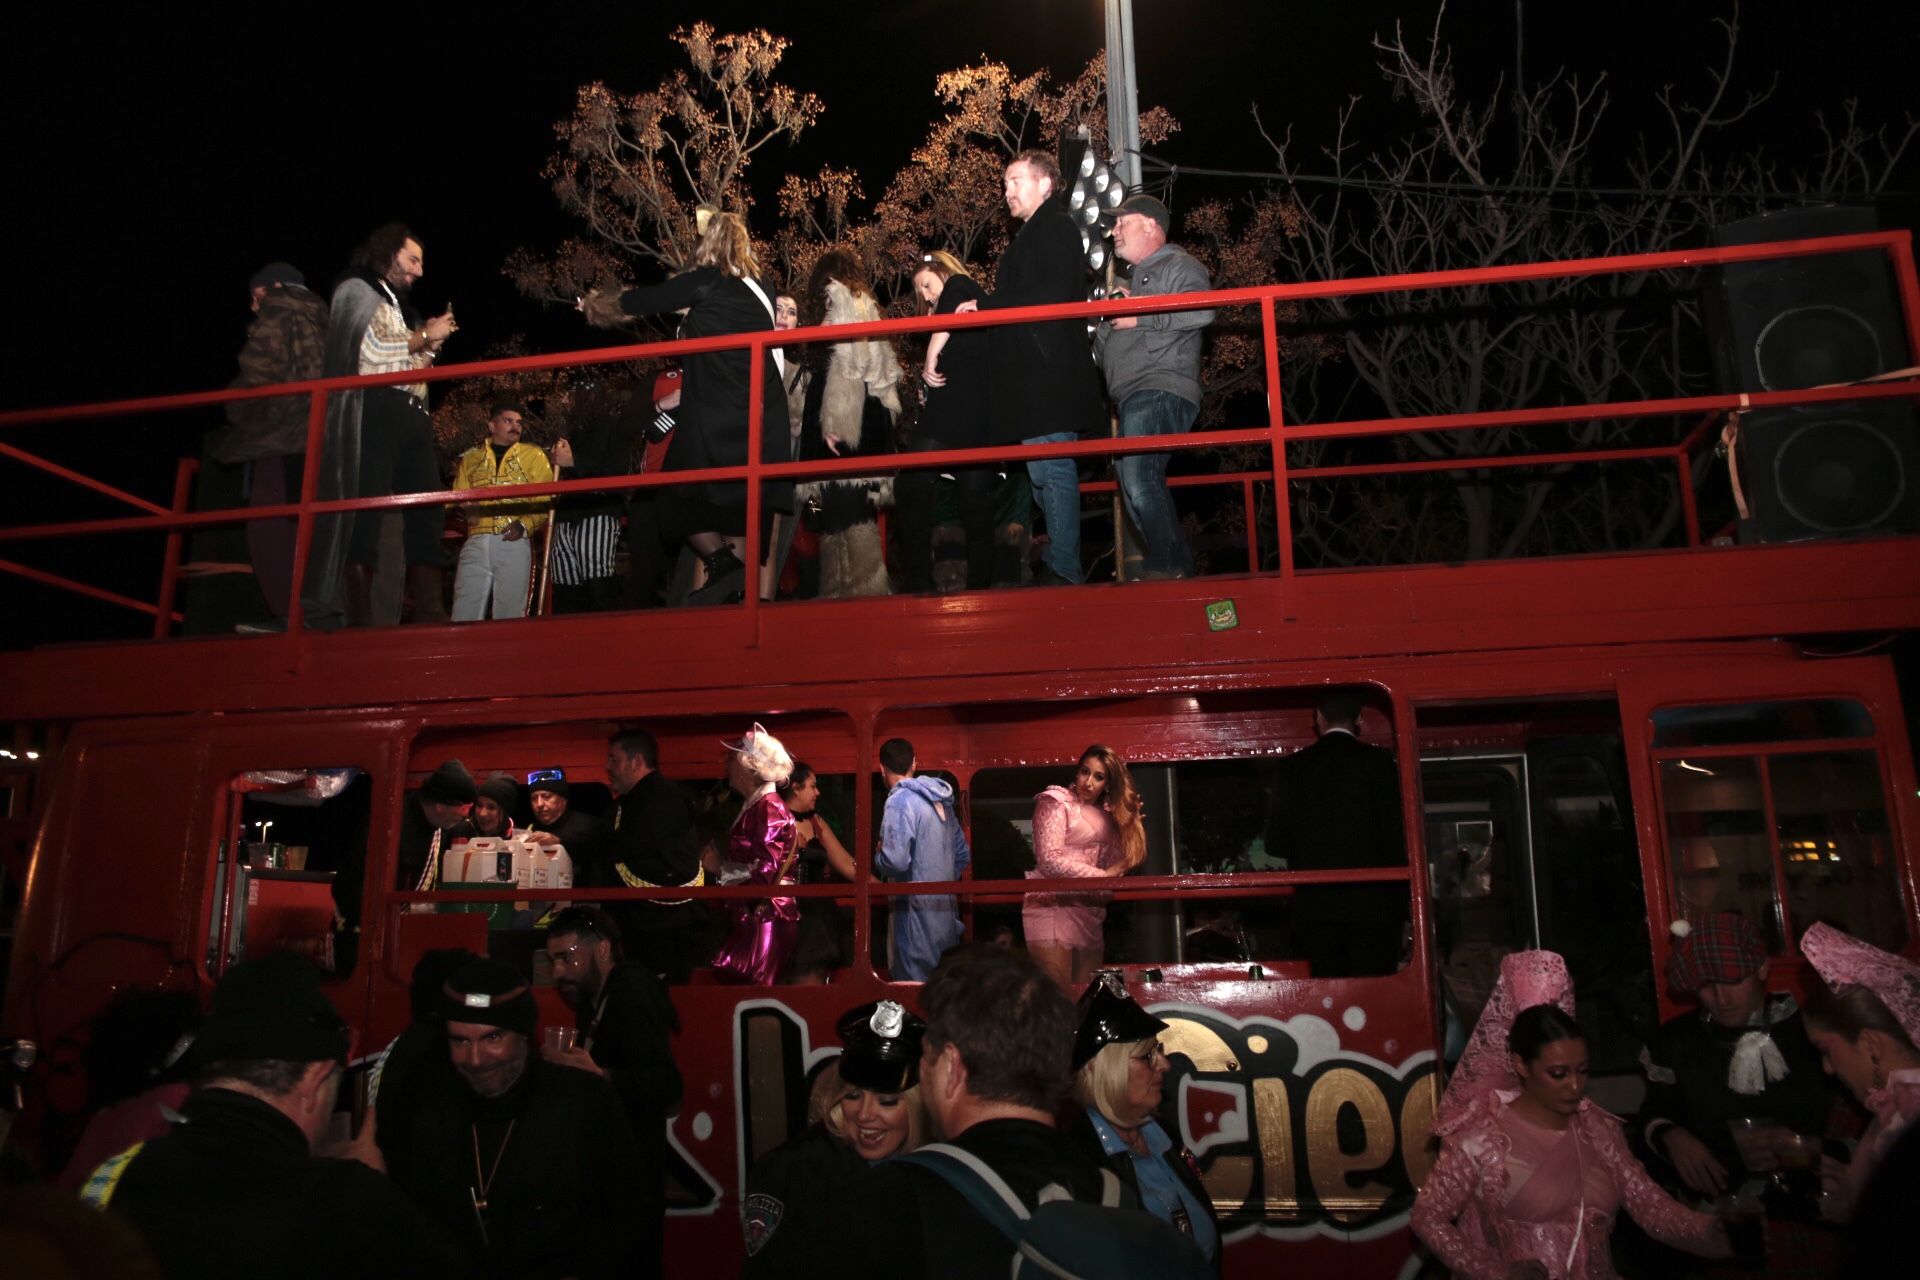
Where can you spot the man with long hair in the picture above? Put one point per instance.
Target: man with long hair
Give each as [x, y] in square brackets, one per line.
[378, 441]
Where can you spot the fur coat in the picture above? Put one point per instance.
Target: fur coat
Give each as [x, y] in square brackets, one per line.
[854, 371]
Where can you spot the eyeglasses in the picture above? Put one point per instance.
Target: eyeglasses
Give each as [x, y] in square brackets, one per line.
[546, 775]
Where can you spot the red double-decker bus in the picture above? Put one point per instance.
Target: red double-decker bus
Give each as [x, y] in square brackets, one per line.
[1569, 733]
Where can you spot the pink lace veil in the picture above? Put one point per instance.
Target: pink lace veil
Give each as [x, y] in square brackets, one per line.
[1527, 978]
[1843, 960]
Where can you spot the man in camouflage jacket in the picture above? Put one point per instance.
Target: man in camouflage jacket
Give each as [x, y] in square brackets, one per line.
[268, 436]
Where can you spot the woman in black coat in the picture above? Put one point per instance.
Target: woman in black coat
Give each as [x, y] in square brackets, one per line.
[719, 295]
[957, 415]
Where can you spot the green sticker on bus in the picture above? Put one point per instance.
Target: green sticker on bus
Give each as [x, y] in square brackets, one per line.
[1221, 616]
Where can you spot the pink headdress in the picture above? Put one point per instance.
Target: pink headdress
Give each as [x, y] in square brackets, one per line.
[1527, 978]
[1842, 960]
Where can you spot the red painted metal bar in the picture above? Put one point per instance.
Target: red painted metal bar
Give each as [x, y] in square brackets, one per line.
[304, 515]
[1777, 858]
[1659, 454]
[1890, 242]
[1234, 882]
[1253, 524]
[170, 566]
[1276, 426]
[1771, 747]
[756, 430]
[1555, 415]
[46, 579]
[1901, 250]
[1689, 504]
[86, 482]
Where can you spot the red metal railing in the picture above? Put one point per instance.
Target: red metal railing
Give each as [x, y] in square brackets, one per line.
[175, 521]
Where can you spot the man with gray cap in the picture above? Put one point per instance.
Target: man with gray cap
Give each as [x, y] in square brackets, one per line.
[1152, 367]
[529, 1165]
[285, 343]
[236, 1190]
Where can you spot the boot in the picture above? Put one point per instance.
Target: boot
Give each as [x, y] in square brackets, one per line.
[427, 584]
[358, 580]
[726, 579]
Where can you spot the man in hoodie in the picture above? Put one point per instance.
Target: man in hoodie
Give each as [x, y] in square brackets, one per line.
[920, 840]
[285, 343]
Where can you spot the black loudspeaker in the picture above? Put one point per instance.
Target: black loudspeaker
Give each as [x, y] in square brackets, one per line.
[1825, 470]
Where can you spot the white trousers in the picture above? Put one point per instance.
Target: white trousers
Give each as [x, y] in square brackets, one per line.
[492, 568]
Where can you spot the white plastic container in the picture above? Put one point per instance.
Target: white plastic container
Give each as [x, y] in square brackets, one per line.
[552, 867]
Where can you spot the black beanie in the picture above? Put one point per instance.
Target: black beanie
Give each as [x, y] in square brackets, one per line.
[492, 993]
[271, 1009]
[502, 791]
[449, 784]
[276, 273]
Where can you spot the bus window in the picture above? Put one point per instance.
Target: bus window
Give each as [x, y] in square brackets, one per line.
[1785, 835]
[1479, 860]
[302, 850]
[1717, 847]
[1835, 846]
[1202, 817]
[1749, 722]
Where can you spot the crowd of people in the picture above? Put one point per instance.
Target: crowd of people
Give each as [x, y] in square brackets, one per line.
[1014, 384]
[999, 1122]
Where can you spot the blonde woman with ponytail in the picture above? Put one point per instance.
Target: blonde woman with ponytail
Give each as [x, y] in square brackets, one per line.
[1091, 830]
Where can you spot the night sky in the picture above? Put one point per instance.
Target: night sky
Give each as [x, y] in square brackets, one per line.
[157, 157]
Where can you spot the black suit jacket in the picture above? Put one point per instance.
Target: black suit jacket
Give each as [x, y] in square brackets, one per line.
[1044, 378]
[1336, 804]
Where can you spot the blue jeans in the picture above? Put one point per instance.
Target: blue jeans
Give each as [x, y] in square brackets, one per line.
[1056, 487]
[1143, 478]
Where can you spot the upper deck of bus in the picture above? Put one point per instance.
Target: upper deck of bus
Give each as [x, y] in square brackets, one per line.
[1698, 588]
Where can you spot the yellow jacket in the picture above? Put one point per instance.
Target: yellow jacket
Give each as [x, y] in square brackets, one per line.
[522, 464]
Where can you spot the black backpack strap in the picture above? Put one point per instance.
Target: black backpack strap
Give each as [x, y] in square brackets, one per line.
[974, 1179]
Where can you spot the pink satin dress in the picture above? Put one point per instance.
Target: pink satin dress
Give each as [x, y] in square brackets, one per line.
[1071, 840]
[1506, 1190]
[763, 838]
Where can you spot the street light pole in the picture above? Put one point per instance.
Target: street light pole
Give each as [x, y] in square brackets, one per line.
[1123, 98]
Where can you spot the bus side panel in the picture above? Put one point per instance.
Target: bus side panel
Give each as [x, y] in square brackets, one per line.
[109, 902]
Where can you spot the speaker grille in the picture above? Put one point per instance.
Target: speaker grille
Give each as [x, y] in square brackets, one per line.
[1812, 346]
[1841, 475]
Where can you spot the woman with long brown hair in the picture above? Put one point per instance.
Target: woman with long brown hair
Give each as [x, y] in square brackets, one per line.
[720, 295]
[1091, 830]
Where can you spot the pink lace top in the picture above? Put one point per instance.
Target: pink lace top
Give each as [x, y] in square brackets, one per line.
[1506, 1190]
[1072, 840]
[1895, 1106]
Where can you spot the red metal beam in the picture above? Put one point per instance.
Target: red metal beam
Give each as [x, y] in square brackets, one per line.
[41, 576]
[86, 482]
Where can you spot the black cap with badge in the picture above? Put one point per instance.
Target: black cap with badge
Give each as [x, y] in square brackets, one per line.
[882, 1047]
[271, 1009]
[1108, 1015]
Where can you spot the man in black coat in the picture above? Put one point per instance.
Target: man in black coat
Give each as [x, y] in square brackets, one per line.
[556, 822]
[625, 1022]
[652, 843]
[529, 1166]
[1045, 387]
[236, 1190]
[1335, 805]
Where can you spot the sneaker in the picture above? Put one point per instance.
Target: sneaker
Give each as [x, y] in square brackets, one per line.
[1046, 576]
[272, 627]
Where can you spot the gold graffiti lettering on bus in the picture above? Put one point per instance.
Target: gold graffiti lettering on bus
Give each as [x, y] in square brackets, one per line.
[1273, 1113]
[1202, 1044]
[1328, 1163]
[1416, 1129]
[767, 1072]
